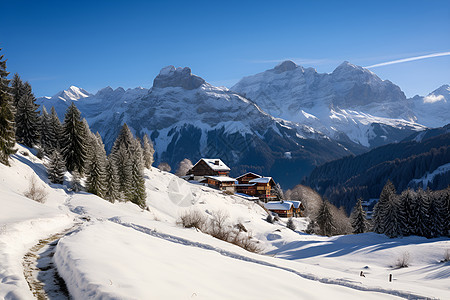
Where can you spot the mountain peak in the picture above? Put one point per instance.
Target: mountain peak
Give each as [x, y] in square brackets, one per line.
[177, 77]
[73, 93]
[287, 65]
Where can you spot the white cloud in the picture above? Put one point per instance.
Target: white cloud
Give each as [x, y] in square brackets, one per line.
[433, 98]
[398, 61]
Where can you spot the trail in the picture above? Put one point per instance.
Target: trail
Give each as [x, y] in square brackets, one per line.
[342, 282]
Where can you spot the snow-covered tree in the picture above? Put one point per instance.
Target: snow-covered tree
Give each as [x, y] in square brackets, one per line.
[45, 131]
[392, 217]
[56, 167]
[164, 167]
[18, 89]
[437, 218]
[409, 208]
[27, 119]
[55, 130]
[379, 213]
[278, 192]
[96, 171]
[74, 140]
[183, 167]
[124, 139]
[136, 193]
[112, 184]
[324, 219]
[423, 217]
[358, 218]
[149, 151]
[7, 129]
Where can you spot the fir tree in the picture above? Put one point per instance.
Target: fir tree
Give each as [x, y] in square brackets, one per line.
[112, 192]
[392, 218]
[74, 140]
[56, 167]
[55, 130]
[410, 208]
[45, 134]
[379, 214]
[27, 119]
[325, 219]
[437, 218]
[423, 217]
[18, 89]
[358, 218]
[96, 169]
[137, 193]
[121, 159]
[125, 139]
[149, 151]
[7, 130]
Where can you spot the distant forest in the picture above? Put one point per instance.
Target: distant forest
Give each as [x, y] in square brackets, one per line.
[343, 181]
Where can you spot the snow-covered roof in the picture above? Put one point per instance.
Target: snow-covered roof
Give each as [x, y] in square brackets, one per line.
[246, 184]
[295, 203]
[221, 178]
[278, 205]
[261, 180]
[248, 197]
[249, 173]
[215, 164]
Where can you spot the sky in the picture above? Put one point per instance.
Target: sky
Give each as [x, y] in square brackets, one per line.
[94, 44]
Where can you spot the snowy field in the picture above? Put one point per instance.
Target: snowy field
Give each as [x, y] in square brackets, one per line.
[123, 252]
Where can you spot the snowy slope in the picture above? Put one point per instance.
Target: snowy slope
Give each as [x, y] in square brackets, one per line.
[128, 253]
[350, 101]
[433, 110]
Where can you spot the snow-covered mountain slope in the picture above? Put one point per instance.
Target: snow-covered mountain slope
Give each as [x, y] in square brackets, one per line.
[350, 101]
[122, 251]
[188, 118]
[433, 110]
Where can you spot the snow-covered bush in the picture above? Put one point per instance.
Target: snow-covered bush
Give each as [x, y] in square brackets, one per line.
[193, 219]
[404, 260]
[35, 192]
[164, 167]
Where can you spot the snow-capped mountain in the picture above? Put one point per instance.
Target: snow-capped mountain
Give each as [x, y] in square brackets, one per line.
[433, 110]
[187, 117]
[349, 103]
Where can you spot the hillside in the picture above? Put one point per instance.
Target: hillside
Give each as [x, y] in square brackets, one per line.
[165, 260]
[346, 179]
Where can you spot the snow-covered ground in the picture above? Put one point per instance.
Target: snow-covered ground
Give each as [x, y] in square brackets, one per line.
[124, 252]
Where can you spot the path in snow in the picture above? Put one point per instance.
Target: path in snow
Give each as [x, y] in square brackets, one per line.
[341, 282]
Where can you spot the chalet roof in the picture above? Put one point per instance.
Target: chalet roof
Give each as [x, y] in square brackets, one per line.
[215, 164]
[221, 178]
[261, 180]
[245, 184]
[278, 205]
[295, 203]
[247, 197]
[249, 173]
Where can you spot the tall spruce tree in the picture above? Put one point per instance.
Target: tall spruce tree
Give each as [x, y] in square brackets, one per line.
[379, 214]
[18, 89]
[96, 167]
[392, 217]
[423, 217]
[45, 131]
[358, 218]
[437, 218]
[112, 192]
[149, 151]
[136, 192]
[56, 167]
[121, 155]
[7, 126]
[325, 219]
[410, 207]
[27, 119]
[74, 140]
[55, 130]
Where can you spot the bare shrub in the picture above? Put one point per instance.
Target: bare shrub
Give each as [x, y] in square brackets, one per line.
[404, 260]
[310, 198]
[246, 242]
[183, 167]
[219, 227]
[164, 167]
[35, 192]
[446, 255]
[193, 219]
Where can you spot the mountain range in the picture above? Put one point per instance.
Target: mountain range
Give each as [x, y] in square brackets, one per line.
[282, 122]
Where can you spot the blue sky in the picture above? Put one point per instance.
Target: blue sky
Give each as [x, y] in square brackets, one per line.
[93, 44]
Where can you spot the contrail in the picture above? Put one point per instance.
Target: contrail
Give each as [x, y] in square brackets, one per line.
[408, 59]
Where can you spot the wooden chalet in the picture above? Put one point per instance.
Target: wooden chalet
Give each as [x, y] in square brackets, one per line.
[283, 209]
[298, 208]
[256, 185]
[208, 167]
[223, 183]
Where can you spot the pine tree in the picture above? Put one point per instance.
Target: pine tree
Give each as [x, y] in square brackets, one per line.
[55, 130]
[7, 130]
[45, 134]
[149, 151]
[325, 219]
[56, 167]
[392, 218]
[96, 169]
[410, 207]
[358, 218]
[423, 217]
[379, 214]
[74, 140]
[121, 159]
[112, 192]
[27, 119]
[437, 218]
[137, 193]
[125, 139]
[18, 89]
